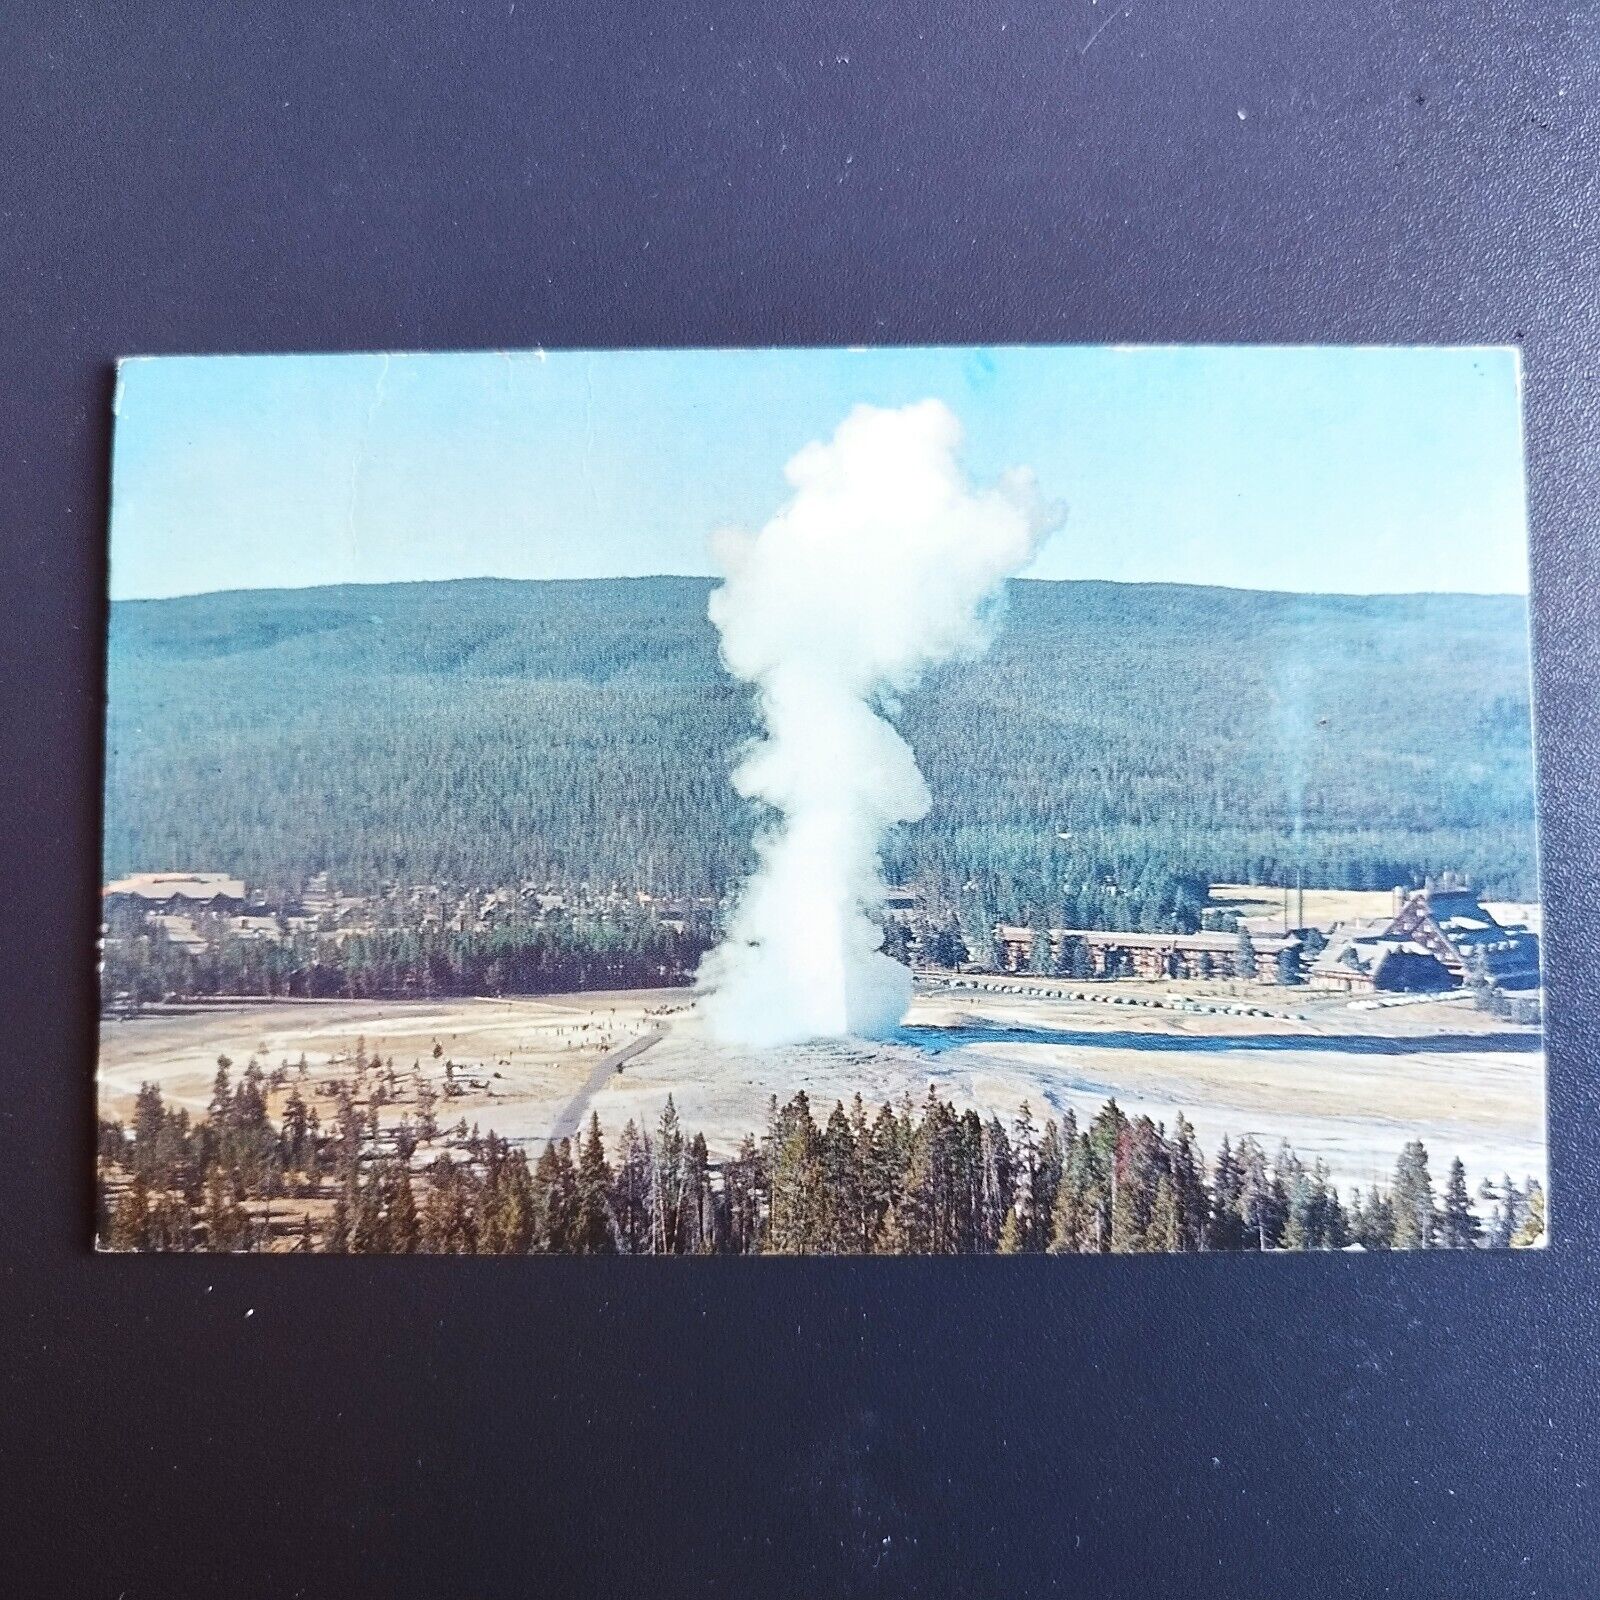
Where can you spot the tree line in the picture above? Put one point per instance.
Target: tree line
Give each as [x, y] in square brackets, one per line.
[1119, 747]
[897, 1180]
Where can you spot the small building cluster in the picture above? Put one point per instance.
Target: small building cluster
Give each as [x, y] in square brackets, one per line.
[194, 910]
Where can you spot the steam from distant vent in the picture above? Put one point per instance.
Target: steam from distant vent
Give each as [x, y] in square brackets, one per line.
[885, 562]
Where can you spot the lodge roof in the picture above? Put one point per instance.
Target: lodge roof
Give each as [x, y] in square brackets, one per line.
[159, 886]
[1222, 943]
[1449, 903]
[1456, 916]
[1365, 953]
[1473, 933]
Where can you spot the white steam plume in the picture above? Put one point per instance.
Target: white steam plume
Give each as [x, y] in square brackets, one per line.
[885, 562]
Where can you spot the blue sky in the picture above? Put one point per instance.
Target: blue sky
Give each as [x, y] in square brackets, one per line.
[1352, 470]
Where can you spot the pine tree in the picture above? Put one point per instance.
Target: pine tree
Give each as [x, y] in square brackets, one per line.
[1105, 1136]
[367, 1232]
[448, 1224]
[1376, 1231]
[891, 1238]
[866, 1220]
[1355, 1218]
[111, 1142]
[172, 1224]
[1244, 954]
[336, 1241]
[1531, 1231]
[843, 1206]
[1025, 1149]
[402, 1225]
[883, 1169]
[701, 1213]
[149, 1122]
[1080, 1221]
[1459, 1228]
[554, 1199]
[293, 1130]
[315, 1153]
[631, 1193]
[931, 1210]
[130, 1221]
[996, 1182]
[916, 1208]
[1139, 1164]
[1509, 1214]
[948, 948]
[221, 1106]
[1047, 1181]
[1165, 1232]
[798, 1220]
[1264, 1199]
[667, 1182]
[350, 1127]
[1013, 1235]
[1330, 1228]
[405, 1139]
[508, 1213]
[1227, 1228]
[1299, 1229]
[592, 1232]
[1190, 1199]
[227, 1224]
[1415, 1223]
[745, 1182]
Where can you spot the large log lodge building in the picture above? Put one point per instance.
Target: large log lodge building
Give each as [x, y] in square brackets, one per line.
[1440, 937]
[1151, 955]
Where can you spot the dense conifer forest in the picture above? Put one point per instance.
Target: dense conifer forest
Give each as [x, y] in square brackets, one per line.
[558, 955]
[864, 1181]
[1119, 748]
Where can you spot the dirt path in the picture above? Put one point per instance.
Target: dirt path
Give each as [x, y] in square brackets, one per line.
[569, 1120]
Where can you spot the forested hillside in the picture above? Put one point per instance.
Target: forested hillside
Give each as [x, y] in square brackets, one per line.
[1120, 743]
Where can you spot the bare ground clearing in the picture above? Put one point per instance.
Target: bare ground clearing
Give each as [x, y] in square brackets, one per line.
[1350, 1085]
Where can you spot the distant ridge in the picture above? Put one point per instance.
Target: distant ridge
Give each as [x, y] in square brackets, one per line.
[707, 579]
[485, 729]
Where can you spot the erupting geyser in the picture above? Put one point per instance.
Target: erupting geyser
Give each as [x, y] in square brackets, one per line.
[885, 562]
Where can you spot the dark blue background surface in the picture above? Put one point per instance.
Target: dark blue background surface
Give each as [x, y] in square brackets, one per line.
[409, 175]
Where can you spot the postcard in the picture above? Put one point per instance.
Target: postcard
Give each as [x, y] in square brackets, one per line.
[885, 801]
